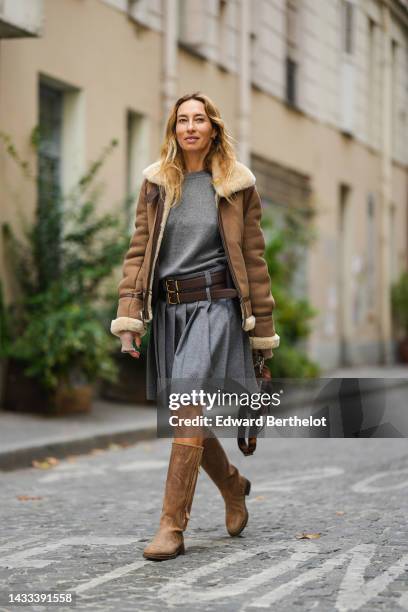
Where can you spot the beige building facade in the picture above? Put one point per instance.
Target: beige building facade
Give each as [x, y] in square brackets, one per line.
[315, 93]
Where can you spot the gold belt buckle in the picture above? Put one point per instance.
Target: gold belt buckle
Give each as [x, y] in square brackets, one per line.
[170, 291]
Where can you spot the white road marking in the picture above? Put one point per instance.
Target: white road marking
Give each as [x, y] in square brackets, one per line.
[113, 575]
[80, 471]
[71, 471]
[403, 600]
[142, 466]
[366, 486]
[354, 591]
[283, 590]
[180, 588]
[131, 567]
[13, 544]
[289, 483]
[226, 542]
[23, 558]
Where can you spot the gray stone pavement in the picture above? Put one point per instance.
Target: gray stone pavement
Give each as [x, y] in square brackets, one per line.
[24, 437]
[84, 529]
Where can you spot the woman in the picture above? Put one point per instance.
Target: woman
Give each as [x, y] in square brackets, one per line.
[195, 268]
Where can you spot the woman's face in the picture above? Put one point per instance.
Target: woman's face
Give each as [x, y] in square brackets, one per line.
[194, 129]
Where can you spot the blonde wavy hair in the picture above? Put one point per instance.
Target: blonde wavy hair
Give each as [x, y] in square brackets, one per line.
[172, 167]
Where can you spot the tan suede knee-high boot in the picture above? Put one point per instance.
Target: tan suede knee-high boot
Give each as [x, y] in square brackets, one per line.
[232, 485]
[182, 473]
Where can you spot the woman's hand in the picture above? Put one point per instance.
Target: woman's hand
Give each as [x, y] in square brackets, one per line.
[126, 338]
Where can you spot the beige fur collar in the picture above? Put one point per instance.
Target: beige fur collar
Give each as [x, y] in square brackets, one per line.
[241, 178]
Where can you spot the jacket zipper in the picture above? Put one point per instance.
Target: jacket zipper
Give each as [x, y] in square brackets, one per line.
[226, 250]
[153, 251]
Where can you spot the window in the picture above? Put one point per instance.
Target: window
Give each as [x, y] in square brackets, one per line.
[371, 80]
[50, 126]
[61, 158]
[344, 277]
[347, 27]
[291, 67]
[370, 253]
[253, 38]
[49, 179]
[286, 201]
[291, 52]
[222, 31]
[137, 157]
[181, 19]
[222, 10]
[138, 10]
[191, 24]
[394, 94]
[393, 243]
[347, 69]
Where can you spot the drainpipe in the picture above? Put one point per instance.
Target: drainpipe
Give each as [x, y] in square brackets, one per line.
[244, 85]
[169, 58]
[385, 189]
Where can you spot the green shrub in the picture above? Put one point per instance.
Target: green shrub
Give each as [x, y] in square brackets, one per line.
[399, 302]
[292, 315]
[58, 321]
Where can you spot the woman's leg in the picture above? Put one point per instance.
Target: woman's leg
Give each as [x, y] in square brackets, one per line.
[185, 459]
[232, 485]
[189, 434]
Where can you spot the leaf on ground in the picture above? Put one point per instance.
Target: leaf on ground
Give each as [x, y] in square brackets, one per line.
[113, 446]
[307, 536]
[28, 497]
[259, 498]
[71, 458]
[96, 451]
[340, 512]
[52, 460]
[45, 464]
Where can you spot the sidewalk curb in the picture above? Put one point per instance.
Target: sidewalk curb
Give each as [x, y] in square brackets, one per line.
[23, 457]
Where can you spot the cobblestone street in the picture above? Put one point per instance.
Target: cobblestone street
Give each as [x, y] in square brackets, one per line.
[87, 531]
[203, 224]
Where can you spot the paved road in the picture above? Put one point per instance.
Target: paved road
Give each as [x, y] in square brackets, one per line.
[87, 532]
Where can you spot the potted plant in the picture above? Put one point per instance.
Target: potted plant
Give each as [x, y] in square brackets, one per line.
[399, 305]
[59, 350]
[55, 334]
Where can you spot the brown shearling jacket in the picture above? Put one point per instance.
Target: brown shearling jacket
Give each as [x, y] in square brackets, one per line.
[244, 244]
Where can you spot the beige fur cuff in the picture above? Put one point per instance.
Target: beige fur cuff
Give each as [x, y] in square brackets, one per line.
[264, 343]
[127, 324]
[249, 323]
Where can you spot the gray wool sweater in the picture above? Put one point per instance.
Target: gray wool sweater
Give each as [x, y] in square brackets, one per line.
[191, 241]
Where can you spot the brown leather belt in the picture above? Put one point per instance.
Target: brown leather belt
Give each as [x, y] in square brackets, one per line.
[180, 291]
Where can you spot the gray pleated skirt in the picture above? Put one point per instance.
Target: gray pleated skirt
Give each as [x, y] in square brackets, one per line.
[196, 345]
